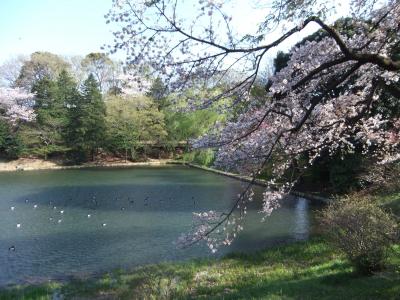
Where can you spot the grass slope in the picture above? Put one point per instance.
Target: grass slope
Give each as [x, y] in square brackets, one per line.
[305, 270]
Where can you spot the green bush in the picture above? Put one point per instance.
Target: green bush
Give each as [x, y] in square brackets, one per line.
[362, 230]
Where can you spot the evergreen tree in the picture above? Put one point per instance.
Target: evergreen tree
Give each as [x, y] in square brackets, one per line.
[10, 144]
[158, 92]
[86, 128]
[52, 98]
[45, 90]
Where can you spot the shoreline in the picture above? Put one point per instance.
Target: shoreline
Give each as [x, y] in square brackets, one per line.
[33, 164]
[259, 182]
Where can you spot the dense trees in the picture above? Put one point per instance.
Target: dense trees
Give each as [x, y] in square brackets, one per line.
[69, 116]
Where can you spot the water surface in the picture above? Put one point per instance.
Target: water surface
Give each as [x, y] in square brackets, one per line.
[76, 222]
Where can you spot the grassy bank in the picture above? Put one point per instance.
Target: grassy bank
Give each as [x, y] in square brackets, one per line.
[305, 270]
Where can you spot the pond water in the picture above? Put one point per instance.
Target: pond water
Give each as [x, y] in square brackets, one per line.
[61, 223]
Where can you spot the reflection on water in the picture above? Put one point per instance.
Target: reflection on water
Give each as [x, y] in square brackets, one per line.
[302, 220]
[75, 222]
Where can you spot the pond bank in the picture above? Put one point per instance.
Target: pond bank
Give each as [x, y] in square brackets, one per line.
[306, 270]
[32, 164]
[260, 182]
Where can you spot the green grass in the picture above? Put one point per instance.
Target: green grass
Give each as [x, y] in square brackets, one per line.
[305, 270]
[390, 200]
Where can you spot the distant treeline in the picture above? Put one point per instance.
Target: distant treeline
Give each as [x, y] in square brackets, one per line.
[89, 106]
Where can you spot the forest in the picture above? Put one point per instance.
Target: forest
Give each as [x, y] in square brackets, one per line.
[79, 110]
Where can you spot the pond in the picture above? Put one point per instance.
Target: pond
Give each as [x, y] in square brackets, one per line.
[61, 223]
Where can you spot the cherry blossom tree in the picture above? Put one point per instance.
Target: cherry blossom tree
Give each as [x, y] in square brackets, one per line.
[132, 84]
[321, 101]
[16, 105]
[10, 70]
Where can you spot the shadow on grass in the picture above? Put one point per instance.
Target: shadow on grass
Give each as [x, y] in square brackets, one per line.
[305, 270]
[29, 292]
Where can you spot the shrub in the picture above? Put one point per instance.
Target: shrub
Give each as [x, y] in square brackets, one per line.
[362, 230]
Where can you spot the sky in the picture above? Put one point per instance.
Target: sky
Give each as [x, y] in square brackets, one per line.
[66, 27]
[77, 27]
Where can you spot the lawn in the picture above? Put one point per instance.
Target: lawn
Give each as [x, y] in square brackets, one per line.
[304, 270]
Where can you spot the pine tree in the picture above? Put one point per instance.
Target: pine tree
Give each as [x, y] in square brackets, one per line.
[45, 90]
[52, 98]
[86, 129]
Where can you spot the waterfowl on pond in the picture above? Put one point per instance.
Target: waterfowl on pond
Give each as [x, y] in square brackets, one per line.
[35, 206]
[12, 207]
[11, 248]
[104, 224]
[89, 215]
[61, 211]
[59, 221]
[18, 225]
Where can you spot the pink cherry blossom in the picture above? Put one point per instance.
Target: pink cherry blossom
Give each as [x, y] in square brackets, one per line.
[17, 104]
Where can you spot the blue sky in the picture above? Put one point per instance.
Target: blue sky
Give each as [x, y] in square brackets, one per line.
[67, 27]
[77, 27]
